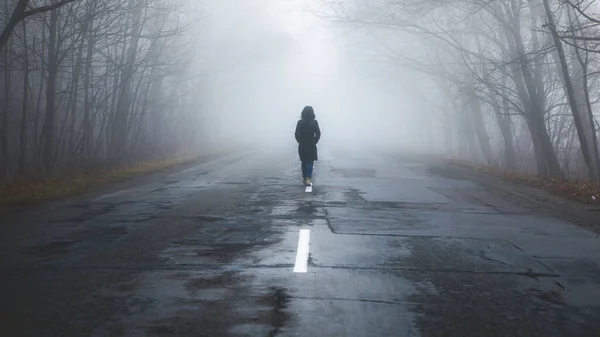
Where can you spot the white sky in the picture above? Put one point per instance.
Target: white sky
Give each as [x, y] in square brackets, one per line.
[315, 54]
[312, 69]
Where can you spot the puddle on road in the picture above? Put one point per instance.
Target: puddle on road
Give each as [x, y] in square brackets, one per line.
[284, 210]
[310, 209]
[278, 300]
[201, 302]
[220, 296]
[194, 302]
[299, 209]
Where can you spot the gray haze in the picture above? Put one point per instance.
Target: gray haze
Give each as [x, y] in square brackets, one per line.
[300, 59]
[91, 83]
[456, 193]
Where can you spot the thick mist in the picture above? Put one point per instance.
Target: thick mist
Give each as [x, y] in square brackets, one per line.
[285, 57]
[104, 83]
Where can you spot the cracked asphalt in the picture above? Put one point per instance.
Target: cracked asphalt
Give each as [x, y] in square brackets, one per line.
[396, 249]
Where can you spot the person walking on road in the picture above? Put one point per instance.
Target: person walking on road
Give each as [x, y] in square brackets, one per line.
[307, 135]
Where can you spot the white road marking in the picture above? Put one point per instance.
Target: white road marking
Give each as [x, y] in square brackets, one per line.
[301, 264]
[308, 189]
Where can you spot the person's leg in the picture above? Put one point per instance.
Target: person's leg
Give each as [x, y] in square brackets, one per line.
[305, 174]
[309, 169]
[303, 170]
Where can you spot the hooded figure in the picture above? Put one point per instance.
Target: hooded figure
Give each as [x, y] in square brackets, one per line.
[307, 135]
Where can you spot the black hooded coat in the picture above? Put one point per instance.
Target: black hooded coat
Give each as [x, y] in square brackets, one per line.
[307, 135]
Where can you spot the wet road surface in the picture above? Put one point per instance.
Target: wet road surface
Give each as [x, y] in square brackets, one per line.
[380, 247]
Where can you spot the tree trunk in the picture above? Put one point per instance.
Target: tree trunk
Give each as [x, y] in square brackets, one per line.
[70, 142]
[87, 79]
[50, 120]
[469, 149]
[4, 127]
[547, 161]
[580, 68]
[528, 90]
[120, 122]
[502, 118]
[157, 114]
[23, 131]
[13, 21]
[480, 130]
[585, 130]
[38, 136]
[504, 124]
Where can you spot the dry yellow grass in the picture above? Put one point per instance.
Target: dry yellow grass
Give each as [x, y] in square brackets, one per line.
[28, 191]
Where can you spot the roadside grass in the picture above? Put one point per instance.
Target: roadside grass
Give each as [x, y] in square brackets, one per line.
[24, 192]
[587, 193]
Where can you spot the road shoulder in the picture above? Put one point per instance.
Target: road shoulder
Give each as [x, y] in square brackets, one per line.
[536, 199]
[108, 187]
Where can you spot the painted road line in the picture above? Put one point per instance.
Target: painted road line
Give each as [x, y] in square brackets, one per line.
[301, 264]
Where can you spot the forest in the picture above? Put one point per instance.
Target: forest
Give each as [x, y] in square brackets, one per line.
[89, 84]
[514, 82]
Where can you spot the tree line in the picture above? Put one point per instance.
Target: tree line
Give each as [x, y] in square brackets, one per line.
[517, 80]
[92, 83]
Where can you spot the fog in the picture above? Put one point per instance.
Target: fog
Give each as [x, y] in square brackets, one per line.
[99, 83]
[301, 59]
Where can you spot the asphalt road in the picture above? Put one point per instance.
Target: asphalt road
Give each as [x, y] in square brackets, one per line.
[381, 247]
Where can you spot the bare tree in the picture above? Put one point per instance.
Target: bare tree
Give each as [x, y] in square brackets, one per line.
[102, 85]
[22, 11]
[504, 65]
[577, 97]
